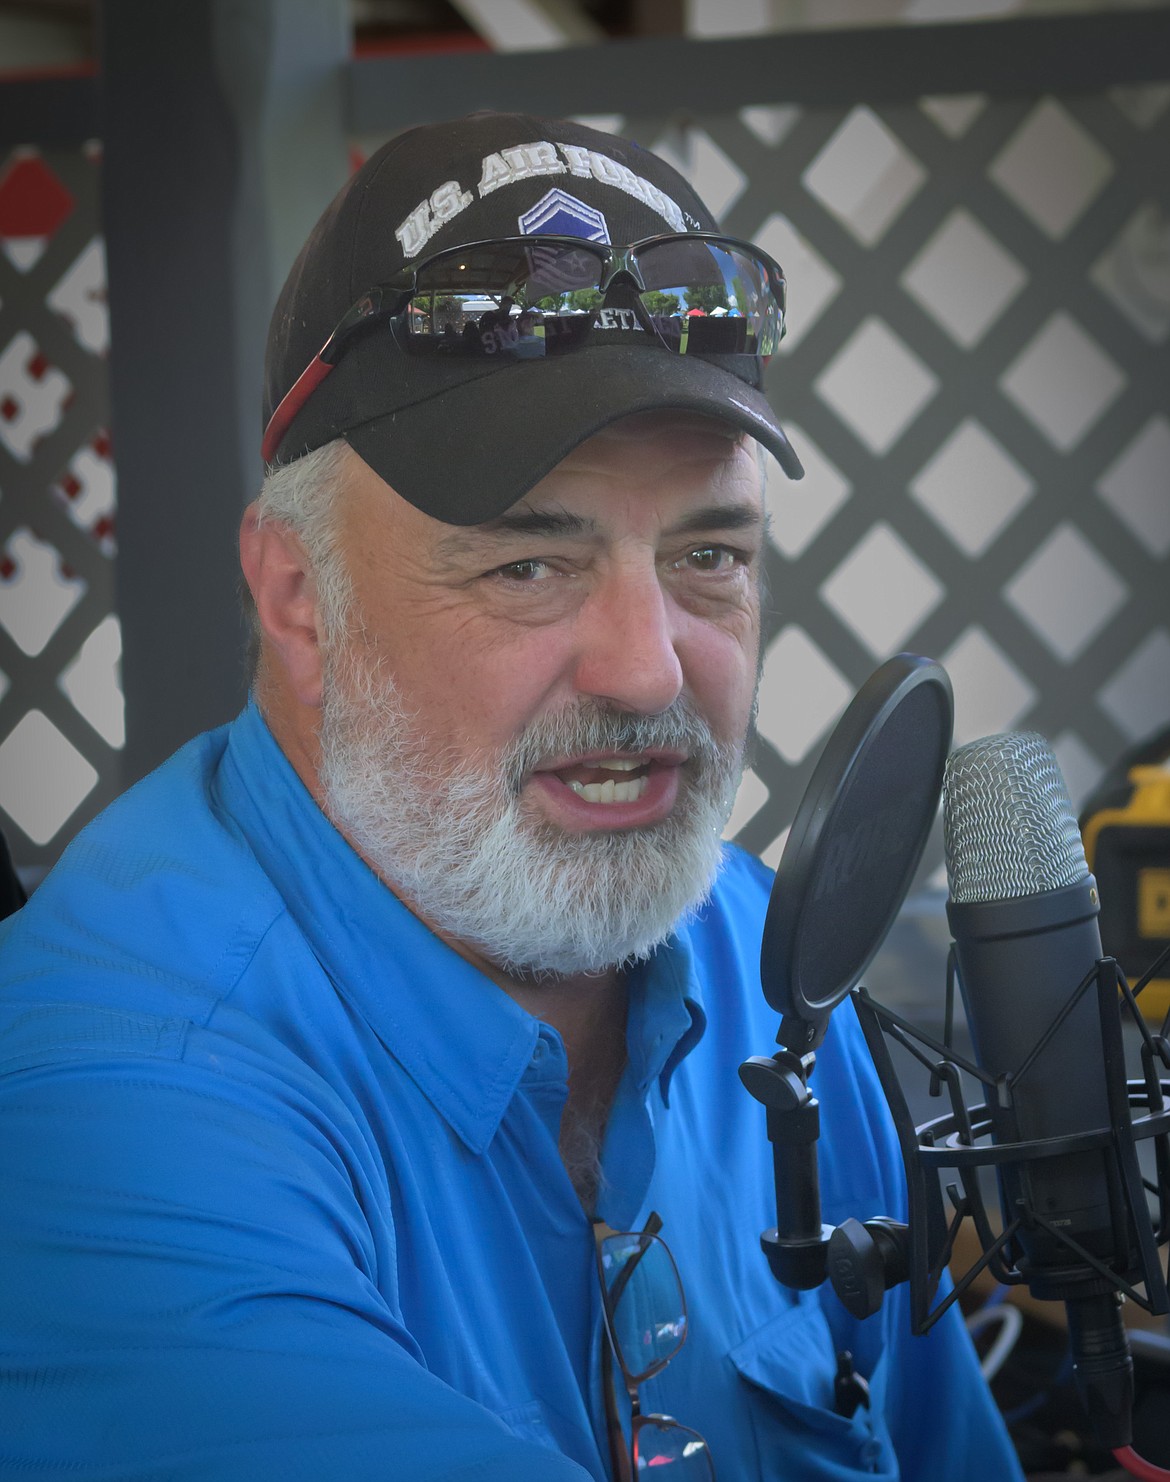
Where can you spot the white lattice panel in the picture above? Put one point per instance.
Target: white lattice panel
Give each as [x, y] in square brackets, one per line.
[61, 721]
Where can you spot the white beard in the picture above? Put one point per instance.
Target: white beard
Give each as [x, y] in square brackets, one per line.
[456, 841]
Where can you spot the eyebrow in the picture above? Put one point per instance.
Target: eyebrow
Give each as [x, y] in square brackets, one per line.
[556, 522]
[539, 522]
[559, 522]
[720, 517]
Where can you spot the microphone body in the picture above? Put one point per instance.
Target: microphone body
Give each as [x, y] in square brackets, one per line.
[1019, 961]
[1023, 914]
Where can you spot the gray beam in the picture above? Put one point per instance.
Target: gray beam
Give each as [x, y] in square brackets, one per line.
[223, 139]
[1058, 54]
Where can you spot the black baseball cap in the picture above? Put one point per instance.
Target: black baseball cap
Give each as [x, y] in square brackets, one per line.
[463, 440]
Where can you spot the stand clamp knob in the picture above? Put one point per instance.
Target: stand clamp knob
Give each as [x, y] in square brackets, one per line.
[866, 1260]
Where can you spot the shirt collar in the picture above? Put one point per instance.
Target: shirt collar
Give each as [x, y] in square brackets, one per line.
[463, 1041]
[666, 1017]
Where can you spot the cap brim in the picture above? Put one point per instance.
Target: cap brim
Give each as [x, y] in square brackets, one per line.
[467, 453]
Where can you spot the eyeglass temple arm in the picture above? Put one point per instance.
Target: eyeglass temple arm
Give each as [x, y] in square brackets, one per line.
[625, 1275]
[291, 403]
[621, 1462]
[379, 303]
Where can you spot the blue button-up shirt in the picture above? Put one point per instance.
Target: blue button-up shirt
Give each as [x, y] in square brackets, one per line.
[280, 1191]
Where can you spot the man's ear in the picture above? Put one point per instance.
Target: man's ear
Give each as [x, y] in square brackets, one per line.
[277, 569]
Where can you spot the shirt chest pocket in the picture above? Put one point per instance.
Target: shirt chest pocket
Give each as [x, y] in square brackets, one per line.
[788, 1367]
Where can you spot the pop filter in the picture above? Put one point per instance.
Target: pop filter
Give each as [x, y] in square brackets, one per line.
[855, 843]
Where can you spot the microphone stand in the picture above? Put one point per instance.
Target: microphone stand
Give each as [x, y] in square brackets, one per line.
[863, 1260]
[1091, 1287]
[797, 1245]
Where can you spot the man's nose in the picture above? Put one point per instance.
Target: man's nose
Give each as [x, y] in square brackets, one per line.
[627, 652]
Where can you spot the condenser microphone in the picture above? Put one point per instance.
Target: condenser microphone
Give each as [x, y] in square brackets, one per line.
[1023, 913]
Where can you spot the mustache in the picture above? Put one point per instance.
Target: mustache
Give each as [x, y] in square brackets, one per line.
[592, 726]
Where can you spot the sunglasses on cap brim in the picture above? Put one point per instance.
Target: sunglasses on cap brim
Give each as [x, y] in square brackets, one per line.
[540, 297]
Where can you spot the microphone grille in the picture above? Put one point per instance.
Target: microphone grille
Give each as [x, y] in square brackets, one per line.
[1008, 825]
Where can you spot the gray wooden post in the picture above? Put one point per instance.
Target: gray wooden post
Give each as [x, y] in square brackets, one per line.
[224, 137]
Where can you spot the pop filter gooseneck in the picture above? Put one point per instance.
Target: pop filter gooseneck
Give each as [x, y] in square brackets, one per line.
[851, 853]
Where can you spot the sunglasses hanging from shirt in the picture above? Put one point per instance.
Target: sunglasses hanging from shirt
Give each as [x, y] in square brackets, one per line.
[645, 1326]
[538, 297]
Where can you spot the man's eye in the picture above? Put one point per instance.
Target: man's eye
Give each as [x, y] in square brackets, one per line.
[524, 571]
[711, 558]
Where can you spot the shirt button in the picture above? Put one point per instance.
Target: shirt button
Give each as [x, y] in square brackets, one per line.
[540, 1050]
[871, 1454]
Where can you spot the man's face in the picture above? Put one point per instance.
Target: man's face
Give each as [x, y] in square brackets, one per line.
[533, 728]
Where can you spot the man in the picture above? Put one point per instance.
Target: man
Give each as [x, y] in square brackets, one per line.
[339, 1049]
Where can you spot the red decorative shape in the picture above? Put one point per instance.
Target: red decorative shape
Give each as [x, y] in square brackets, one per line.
[38, 365]
[101, 445]
[33, 202]
[7, 568]
[71, 486]
[9, 408]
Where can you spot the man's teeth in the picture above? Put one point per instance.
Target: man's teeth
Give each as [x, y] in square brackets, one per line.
[610, 791]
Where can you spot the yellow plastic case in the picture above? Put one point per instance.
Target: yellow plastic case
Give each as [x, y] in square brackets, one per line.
[1128, 850]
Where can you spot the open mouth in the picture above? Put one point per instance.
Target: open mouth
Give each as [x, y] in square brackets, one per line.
[610, 791]
[613, 780]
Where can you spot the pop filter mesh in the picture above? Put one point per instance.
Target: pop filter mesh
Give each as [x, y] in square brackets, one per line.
[1008, 825]
[870, 847]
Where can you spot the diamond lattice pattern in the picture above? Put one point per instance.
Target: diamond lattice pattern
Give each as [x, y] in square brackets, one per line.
[975, 376]
[61, 723]
[976, 379]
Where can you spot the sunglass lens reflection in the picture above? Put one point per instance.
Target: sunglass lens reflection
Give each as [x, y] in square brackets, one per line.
[664, 1449]
[645, 1300]
[531, 300]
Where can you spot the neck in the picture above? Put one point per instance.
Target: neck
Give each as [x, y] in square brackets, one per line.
[588, 1010]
